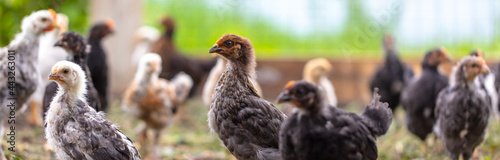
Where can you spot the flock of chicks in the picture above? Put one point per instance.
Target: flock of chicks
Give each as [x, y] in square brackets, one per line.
[457, 110]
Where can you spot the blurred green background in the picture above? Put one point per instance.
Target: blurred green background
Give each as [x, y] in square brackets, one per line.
[358, 35]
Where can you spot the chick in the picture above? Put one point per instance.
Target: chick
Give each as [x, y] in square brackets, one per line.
[487, 83]
[316, 130]
[316, 71]
[462, 109]
[152, 99]
[48, 55]
[74, 129]
[246, 124]
[97, 62]
[213, 78]
[144, 38]
[77, 50]
[392, 76]
[18, 64]
[174, 62]
[419, 96]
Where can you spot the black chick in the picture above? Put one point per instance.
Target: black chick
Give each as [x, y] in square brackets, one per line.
[419, 96]
[173, 62]
[98, 64]
[392, 76]
[247, 125]
[317, 130]
[77, 48]
[462, 109]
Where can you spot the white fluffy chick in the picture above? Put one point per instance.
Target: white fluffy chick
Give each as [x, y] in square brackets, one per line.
[74, 129]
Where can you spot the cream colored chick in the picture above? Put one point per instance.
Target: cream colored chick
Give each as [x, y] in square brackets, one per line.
[316, 71]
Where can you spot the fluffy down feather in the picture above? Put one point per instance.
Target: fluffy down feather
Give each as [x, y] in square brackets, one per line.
[18, 63]
[152, 99]
[316, 130]
[463, 110]
[419, 97]
[74, 129]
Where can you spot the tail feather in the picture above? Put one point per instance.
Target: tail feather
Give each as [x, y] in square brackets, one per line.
[378, 115]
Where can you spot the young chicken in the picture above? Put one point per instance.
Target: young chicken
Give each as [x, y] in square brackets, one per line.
[392, 76]
[19, 75]
[74, 129]
[48, 55]
[144, 38]
[486, 82]
[97, 62]
[462, 109]
[213, 78]
[419, 96]
[152, 99]
[246, 124]
[316, 71]
[317, 130]
[174, 62]
[77, 50]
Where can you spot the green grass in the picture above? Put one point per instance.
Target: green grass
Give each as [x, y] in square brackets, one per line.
[200, 24]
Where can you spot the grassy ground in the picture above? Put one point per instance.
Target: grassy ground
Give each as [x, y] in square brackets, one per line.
[189, 138]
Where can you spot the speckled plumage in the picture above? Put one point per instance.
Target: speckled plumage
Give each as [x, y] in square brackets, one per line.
[77, 50]
[392, 76]
[246, 124]
[74, 129]
[318, 131]
[153, 99]
[419, 97]
[19, 69]
[462, 110]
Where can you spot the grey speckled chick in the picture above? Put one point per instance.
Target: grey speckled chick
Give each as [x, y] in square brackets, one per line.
[247, 125]
[463, 109]
[318, 131]
[74, 129]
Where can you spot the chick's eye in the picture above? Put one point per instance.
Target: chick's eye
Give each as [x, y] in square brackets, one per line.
[473, 65]
[44, 19]
[65, 71]
[300, 91]
[229, 43]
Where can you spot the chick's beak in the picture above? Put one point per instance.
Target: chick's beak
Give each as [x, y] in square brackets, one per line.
[485, 69]
[58, 44]
[214, 49]
[53, 76]
[284, 97]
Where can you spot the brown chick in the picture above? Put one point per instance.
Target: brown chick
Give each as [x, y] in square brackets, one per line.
[247, 125]
[174, 62]
[152, 99]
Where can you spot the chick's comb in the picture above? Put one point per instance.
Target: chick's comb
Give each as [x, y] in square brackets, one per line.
[53, 13]
[482, 61]
[290, 84]
[110, 24]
